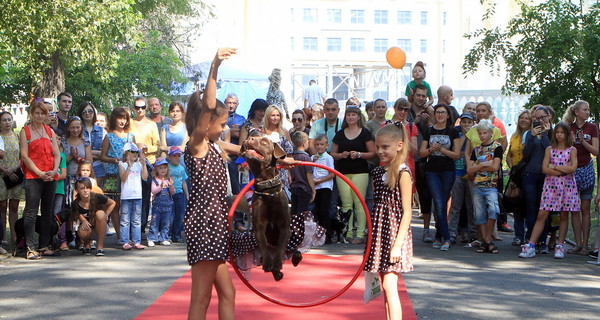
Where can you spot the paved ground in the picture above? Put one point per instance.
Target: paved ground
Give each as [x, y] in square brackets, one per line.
[458, 284]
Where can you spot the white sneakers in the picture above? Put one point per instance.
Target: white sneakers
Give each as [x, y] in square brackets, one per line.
[527, 251]
[151, 243]
[559, 252]
[166, 243]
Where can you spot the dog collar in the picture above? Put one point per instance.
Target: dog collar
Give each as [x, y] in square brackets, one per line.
[267, 184]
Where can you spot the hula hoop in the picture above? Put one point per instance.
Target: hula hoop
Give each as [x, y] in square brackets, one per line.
[360, 268]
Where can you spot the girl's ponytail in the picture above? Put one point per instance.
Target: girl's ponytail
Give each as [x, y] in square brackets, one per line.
[397, 132]
[569, 116]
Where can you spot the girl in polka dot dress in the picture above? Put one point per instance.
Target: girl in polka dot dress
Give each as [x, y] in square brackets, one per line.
[560, 189]
[391, 248]
[206, 213]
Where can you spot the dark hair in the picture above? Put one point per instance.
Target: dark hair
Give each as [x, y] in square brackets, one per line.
[420, 87]
[94, 205]
[6, 112]
[69, 122]
[92, 173]
[139, 98]
[568, 134]
[400, 102]
[361, 118]
[194, 111]
[299, 111]
[82, 107]
[66, 94]
[422, 65]
[353, 102]
[176, 104]
[116, 114]
[332, 101]
[449, 122]
[258, 104]
[369, 105]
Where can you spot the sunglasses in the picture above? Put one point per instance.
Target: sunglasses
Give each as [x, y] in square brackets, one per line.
[87, 111]
[140, 107]
[297, 119]
[404, 109]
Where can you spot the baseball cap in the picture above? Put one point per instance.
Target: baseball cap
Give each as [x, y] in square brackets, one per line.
[468, 115]
[175, 150]
[160, 161]
[130, 146]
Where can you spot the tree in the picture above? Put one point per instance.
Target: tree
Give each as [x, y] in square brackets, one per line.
[550, 50]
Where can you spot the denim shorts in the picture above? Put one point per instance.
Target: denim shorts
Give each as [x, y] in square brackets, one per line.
[587, 193]
[485, 204]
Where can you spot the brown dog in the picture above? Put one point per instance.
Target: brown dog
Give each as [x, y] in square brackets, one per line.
[270, 211]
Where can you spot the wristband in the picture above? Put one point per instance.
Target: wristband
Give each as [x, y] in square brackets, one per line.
[359, 154]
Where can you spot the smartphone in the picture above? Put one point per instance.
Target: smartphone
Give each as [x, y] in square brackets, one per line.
[536, 124]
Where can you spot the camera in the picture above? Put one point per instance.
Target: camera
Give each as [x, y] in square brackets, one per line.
[537, 124]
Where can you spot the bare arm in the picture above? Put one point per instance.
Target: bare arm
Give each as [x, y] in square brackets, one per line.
[104, 152]
[406, 194]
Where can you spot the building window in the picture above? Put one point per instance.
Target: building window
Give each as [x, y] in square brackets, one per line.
[405, 44]
[404, 17]
[381, 17]
[334, 44]
[444, 16]
[310, 15]
[357, 16]
[423, 45]
[292, 14]
[310, 44]
[423, 17]
[381, 45]
[357, 45]
[334, 15]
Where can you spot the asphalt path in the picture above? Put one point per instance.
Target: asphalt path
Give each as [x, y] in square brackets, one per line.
[457, 284]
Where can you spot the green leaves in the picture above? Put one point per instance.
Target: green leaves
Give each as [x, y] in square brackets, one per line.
[551, 50]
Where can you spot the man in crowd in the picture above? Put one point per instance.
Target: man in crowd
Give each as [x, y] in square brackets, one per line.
[155, 107]
[313, 94]
[65, 102]
[234, 122]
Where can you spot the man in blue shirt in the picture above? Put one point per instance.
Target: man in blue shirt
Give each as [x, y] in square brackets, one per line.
[234, 122]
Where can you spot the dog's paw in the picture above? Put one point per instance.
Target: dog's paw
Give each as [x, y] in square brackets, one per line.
[277, 275]
[296, 258]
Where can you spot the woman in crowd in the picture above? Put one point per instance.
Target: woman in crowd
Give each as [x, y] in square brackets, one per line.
[535, 143]
[256, 115]
[93, 134]
[273, 129]
[112, 152]
[299, 122]
[441, 146]
[40, 155]
[585, 135]
[352, 146]
[174, 134]
[513, 158]
[401, 110]
[10, 167]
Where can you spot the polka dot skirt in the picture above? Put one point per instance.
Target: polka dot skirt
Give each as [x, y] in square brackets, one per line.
[206, 213]
[386, 217]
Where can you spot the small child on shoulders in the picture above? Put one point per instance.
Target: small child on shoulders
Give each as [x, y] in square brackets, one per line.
[323, 180]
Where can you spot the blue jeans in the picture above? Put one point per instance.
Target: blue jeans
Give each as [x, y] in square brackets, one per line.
[131, 221]
[179, 203]
[533, 183]
[485, 203]
[146, 195]
[160, 225]
[440, 184]
[461, 194]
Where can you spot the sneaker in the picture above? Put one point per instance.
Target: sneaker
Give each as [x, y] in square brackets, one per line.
[166, 243]
[426, 236]
[517, 242]
[3, 251]
[100, 253]
[436, 244]
[527, 251]
[543, 248]
[93, 245]
[594, 254]
[127, 246]
[505, 228]
[445, 247]
[139, 246]
[110, 232]
[151, 243]
[559, 252]
[87, 251]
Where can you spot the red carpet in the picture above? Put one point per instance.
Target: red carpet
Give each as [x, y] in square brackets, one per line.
[316, 277]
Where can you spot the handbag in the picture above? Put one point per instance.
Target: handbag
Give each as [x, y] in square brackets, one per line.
[372, 286]
[9, 183]
[585, 176]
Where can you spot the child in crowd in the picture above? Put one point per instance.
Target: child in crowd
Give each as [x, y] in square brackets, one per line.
[59, 198]
[180, 197]
[86, 169]
[132, 171]
[162, 204]
[92, 210]
[461, 192]
[418, 75]
[484, 163]
[323, 180]
[560, 189]
[391, 246]
[302, 187]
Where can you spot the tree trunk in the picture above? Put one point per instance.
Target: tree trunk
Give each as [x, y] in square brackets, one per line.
[53, 81]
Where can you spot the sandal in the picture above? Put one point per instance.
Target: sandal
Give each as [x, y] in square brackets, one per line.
[492, 248]
[50, 253]
[483, 248]
[445, 246]
[33, 255]
[574, 250]
[436, 244]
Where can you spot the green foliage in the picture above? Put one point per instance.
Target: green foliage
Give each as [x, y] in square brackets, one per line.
[550, 50]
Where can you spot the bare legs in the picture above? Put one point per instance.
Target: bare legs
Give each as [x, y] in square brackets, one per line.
[204, 275]
[100, 226]
[393, 307]
[586, 222]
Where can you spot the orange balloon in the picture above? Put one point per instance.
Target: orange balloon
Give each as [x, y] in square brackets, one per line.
[396, 57]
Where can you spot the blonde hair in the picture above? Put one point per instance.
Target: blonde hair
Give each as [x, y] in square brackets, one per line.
[397, 133]
[268, 112]
[519, 132]
[569, 116]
